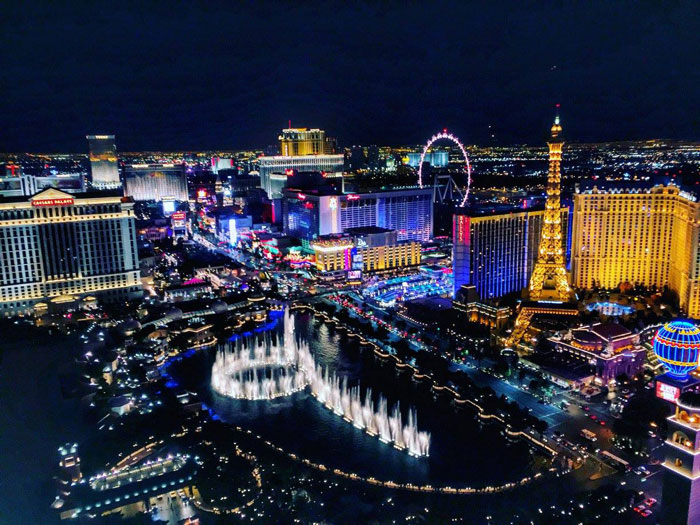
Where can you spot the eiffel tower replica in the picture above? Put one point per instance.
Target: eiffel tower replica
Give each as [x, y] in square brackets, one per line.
[549, 291]
[548, 280]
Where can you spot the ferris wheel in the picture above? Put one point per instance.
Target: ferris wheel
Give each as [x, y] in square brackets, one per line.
[448, 136]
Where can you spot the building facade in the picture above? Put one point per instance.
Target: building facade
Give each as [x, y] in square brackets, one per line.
[222, 163]
[302, 141]
[681, 481]
[365, 249]
[409, 212]
[55, 244]
[156, 182]
[497, 253]
[103, 162]
[25, 184]
[11, 181]
[275, 170]
[610, 349]
[68, 182]
[645, 236]
[437, 159]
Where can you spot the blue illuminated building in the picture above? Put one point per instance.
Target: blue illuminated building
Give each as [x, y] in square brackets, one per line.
[308, 214]
[437, 159]
[495, 248]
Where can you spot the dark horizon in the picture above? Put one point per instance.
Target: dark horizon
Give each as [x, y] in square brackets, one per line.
[229, 77]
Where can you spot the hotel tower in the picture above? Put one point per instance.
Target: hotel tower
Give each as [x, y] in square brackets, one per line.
[646, 236]
[57, 244]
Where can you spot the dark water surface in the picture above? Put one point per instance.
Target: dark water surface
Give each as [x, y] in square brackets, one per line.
[462, 453]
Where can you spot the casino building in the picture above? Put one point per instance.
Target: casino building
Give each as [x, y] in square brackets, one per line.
[649, 236]
[681, 476]
[308, 215]
[56, 244]
[301, 150]
[155, 182]
[495, 250]
[368, 249]
[609, 349]
[103, 162]
[275, 171]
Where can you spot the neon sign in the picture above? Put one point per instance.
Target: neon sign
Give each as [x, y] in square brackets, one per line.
[667, 392]
[42, 203]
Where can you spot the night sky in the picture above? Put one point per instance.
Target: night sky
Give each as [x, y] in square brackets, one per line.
[229, 75]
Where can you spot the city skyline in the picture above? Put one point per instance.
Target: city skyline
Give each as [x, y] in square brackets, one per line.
[495, 70]
[350, 263]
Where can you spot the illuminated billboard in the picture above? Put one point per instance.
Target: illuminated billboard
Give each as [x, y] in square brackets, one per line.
[667, 392]
[354, 276]
[168, 207]
[178, 219]
[232, 231]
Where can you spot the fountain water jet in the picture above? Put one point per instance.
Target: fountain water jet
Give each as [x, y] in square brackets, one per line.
[269, 367]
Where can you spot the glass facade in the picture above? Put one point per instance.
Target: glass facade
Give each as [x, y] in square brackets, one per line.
[273, 178]
[497, 253]
[103, 162]
[409, 212]
[437, 159]
[156, 182]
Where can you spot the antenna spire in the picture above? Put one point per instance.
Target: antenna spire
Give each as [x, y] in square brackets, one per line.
[556, 127]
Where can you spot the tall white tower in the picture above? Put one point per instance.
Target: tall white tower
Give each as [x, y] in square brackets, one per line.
[103, 162]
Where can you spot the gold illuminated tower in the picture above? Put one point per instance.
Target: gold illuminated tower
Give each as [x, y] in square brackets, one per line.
[548, 280]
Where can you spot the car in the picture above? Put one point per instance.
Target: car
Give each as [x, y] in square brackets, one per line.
[650, 502]
[601, 422]
[593, 417]
[646, 513]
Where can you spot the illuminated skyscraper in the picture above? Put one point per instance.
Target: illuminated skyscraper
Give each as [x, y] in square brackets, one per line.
[275, 171]
[56, 244]
[308, 215]
[302, 150]
[646, 236]
[549, 279]
[497, 251]
[103, 162]
[302, 141]
[157, 182]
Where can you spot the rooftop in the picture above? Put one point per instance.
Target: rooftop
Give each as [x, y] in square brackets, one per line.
[52, 193]
[610, 331]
